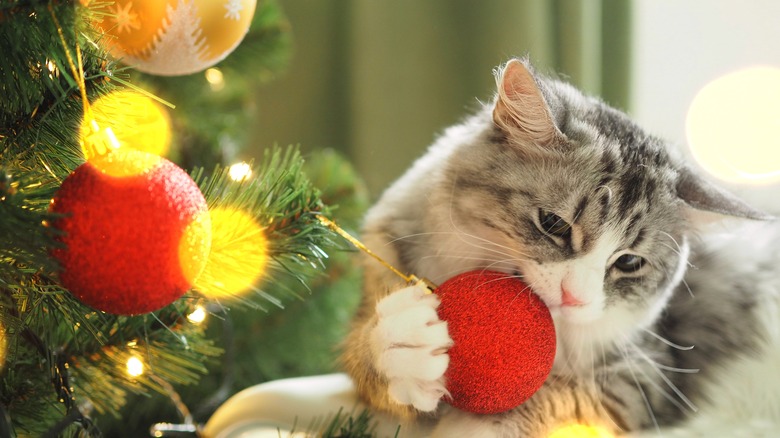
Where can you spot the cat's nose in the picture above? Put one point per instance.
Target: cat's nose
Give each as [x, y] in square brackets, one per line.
[568, 299]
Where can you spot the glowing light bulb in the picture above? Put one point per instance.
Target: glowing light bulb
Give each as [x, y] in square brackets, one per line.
[215, 78]
[580, 431]
[733, 126]
[197, 316]
[135, 367]
[239, 171]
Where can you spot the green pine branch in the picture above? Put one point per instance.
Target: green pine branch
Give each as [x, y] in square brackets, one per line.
[66, 362]
[41, 109]
[284, 202]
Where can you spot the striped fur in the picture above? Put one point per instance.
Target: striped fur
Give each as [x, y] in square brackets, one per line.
[473, 201]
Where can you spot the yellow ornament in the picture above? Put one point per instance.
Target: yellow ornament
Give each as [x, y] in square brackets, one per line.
[238, 256]
[135, 120]
[174, 37]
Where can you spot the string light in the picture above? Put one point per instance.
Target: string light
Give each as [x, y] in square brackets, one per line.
[240, 171]
[52, 67]
[581, 431]
[197, 316]
[135, 367]
[215, 78]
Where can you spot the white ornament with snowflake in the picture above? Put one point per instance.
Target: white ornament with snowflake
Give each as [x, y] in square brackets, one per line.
[174, 37]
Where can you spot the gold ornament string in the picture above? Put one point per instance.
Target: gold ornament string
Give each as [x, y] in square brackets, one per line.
[78, 74]
[409, 278]
[99, 141]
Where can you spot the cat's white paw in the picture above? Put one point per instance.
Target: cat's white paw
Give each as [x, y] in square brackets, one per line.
[410, 343]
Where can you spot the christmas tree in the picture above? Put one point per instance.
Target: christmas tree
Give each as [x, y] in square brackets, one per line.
[88, 342]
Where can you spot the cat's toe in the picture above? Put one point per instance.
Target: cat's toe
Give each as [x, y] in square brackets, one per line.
[413, 363]
[412, 296]
[424, 395]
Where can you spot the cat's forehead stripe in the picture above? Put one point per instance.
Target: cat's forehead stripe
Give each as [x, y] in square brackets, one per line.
[581, 205]
[631, 185]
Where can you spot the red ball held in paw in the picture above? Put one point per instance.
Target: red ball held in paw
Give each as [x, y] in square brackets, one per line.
[504, 341]
[136, 232]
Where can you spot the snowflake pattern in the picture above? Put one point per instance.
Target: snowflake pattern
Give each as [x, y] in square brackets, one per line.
[233, 8]
[125, 18]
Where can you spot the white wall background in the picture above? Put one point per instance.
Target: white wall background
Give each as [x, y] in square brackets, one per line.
[681, 45]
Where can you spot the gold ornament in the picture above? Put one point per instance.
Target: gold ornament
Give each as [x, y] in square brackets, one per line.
[174, 37]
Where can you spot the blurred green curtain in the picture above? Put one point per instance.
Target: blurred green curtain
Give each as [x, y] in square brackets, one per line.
[379, 79]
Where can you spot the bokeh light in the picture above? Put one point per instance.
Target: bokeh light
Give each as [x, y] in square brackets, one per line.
[238, 256]
[733, 126]
[580, 431]
[135, 120]
[240, 171]
[215, 78]
[197, 316]
[135, 367]
[3, 346]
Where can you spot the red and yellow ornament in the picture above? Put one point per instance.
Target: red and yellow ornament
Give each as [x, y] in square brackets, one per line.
[135, 229]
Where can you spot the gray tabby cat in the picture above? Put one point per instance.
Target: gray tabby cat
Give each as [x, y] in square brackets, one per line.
[606, 225]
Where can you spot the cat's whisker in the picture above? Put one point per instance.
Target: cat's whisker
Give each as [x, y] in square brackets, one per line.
[666, 341]
[682, 280]
[462, 235]
[580, 350]
[460, 232]
[609, 192]
[677, 370]
[603, 358]
[679, 248]
[688, 288]
[593, 367]
[483, 262]
[622, 349]
[666, 380]
[598, 383]
[460, 257]
[673, 249]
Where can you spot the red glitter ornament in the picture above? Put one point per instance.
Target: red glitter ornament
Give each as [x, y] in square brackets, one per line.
[136, 232]
[504, 341]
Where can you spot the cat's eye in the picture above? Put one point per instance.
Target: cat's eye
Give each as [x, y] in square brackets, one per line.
[629, 263]
[553, 224]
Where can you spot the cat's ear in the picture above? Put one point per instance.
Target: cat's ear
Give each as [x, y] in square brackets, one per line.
[707, 203]
[521, 110]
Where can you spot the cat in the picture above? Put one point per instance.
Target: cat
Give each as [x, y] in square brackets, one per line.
[657, 280]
